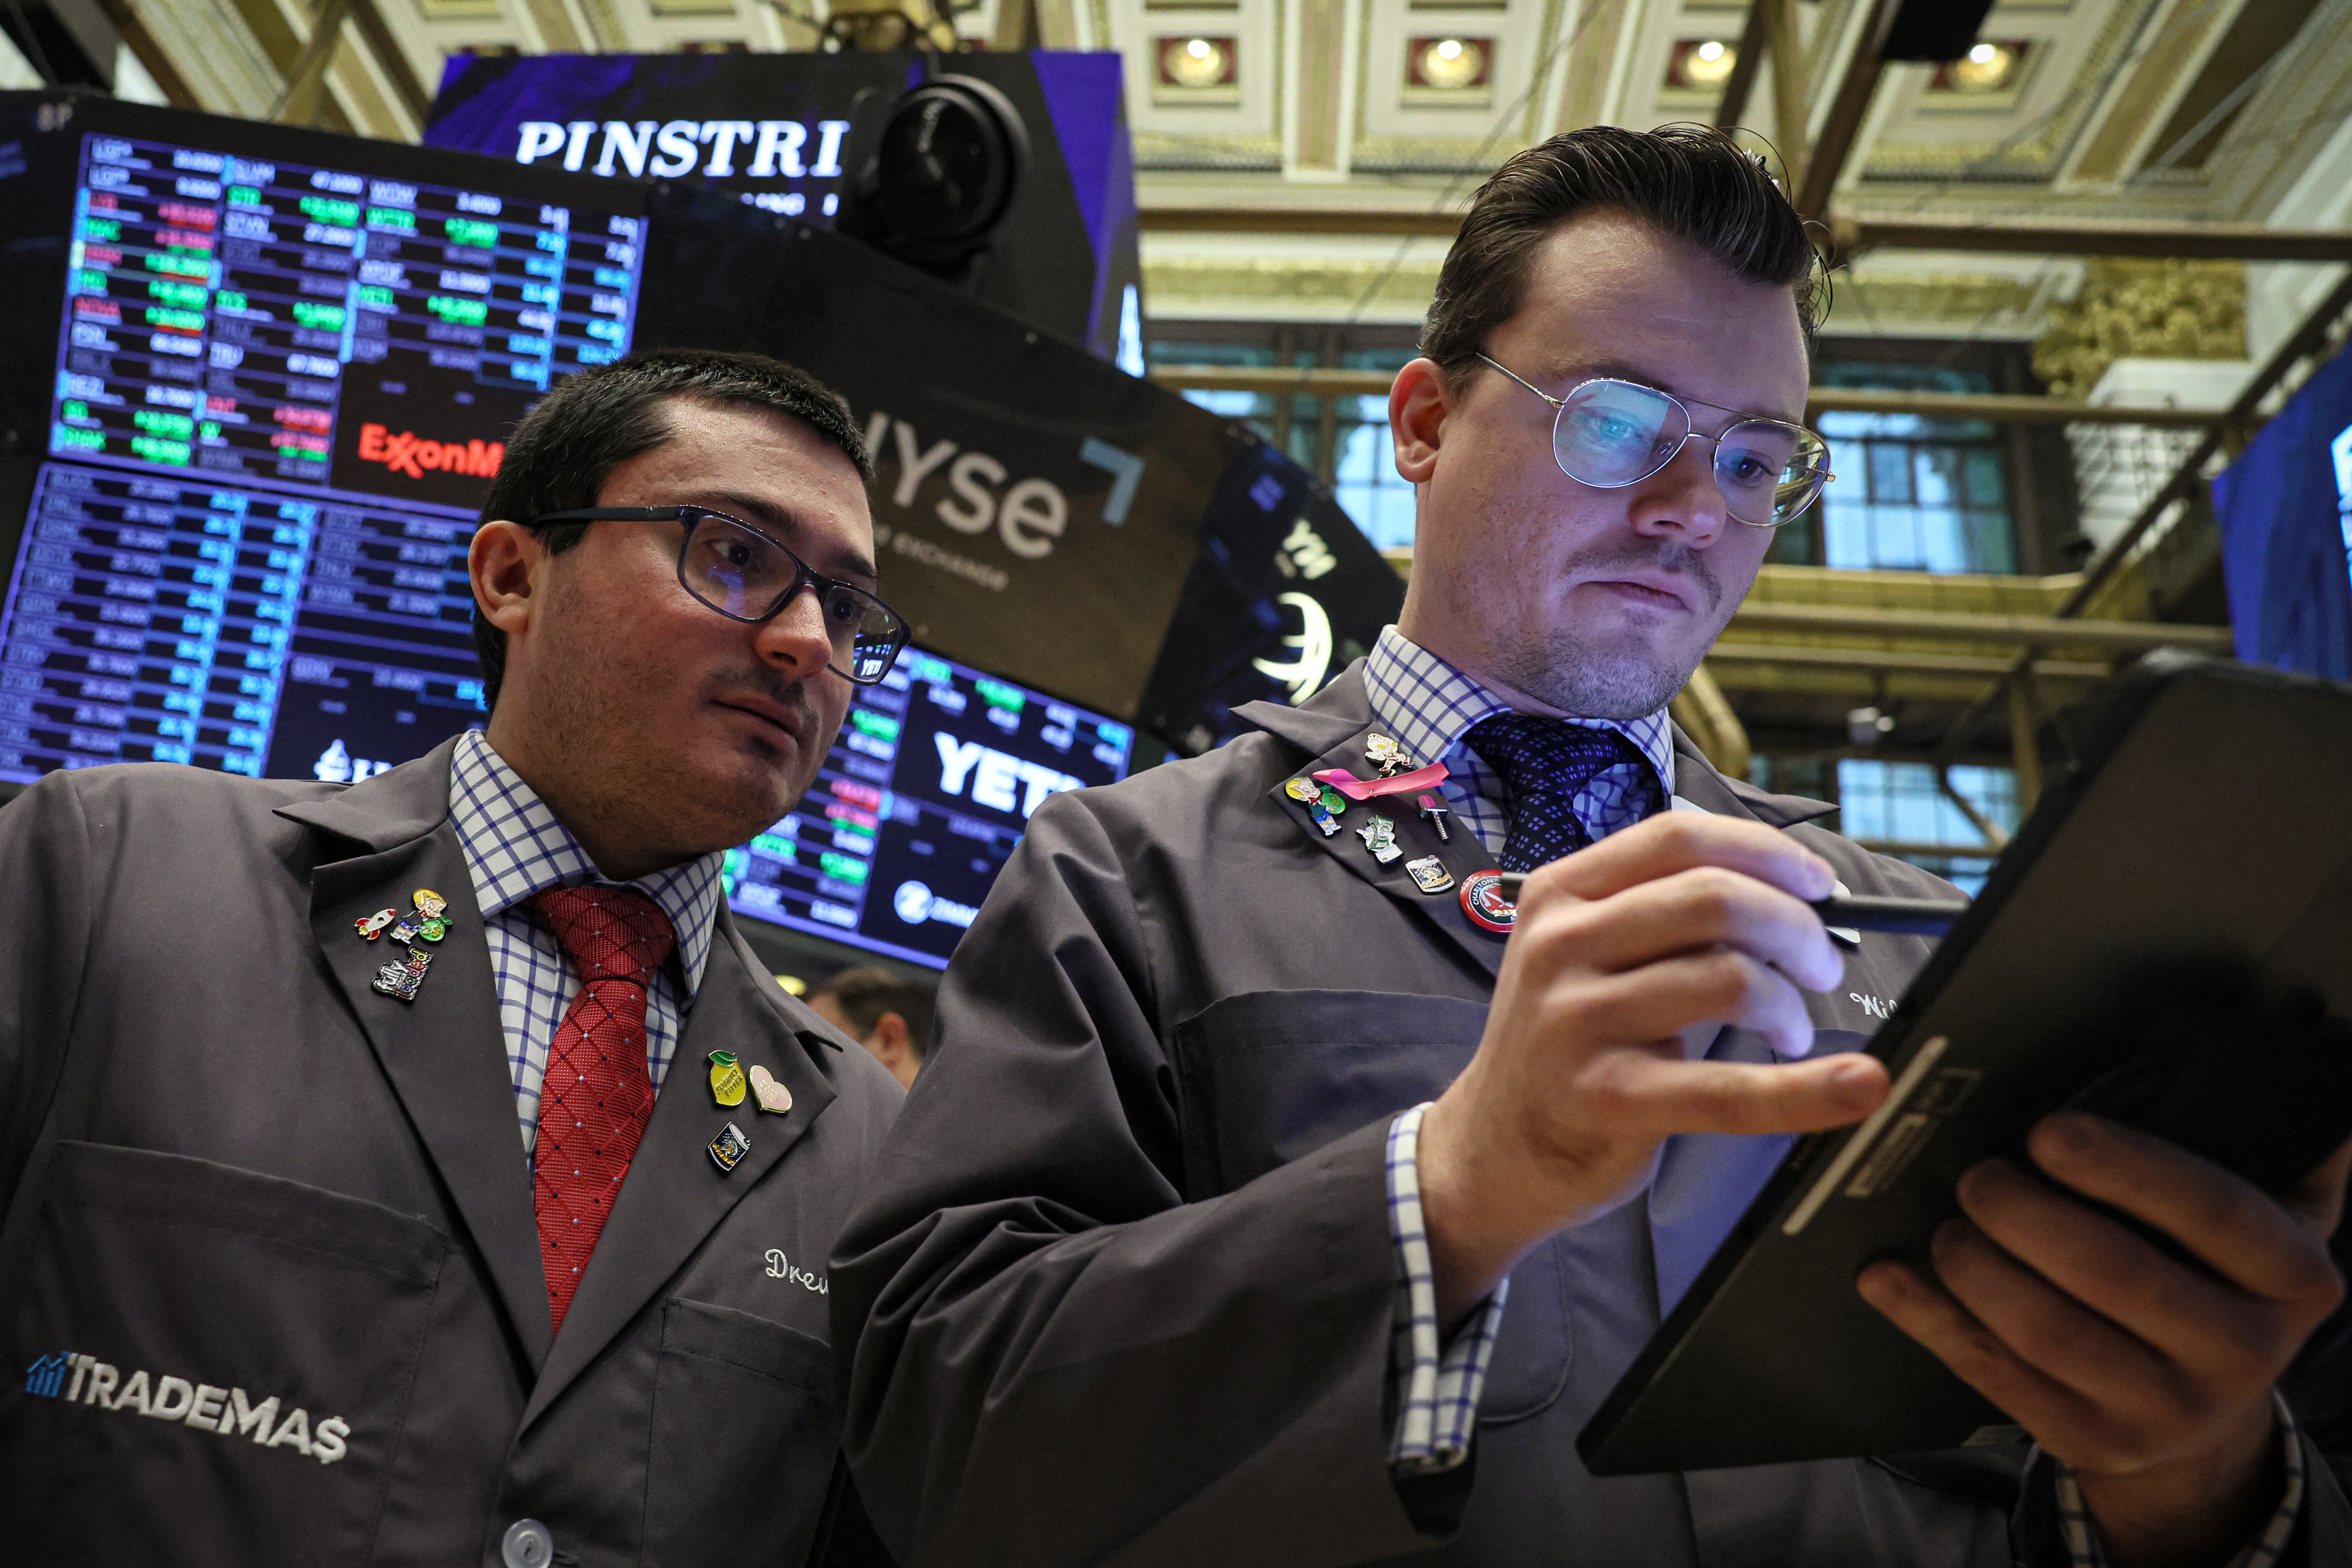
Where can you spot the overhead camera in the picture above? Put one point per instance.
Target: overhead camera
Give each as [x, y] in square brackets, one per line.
[933, 173]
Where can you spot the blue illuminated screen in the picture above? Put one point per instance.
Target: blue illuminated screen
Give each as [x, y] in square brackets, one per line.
[280, 395]
[933, 779]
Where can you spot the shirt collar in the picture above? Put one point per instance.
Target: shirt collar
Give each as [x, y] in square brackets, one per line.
[515, 847]
[1428, 706]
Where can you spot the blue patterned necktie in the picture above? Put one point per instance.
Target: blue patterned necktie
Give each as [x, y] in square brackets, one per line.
[1544, 763]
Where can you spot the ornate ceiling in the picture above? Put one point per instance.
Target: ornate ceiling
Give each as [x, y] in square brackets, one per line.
[2225, 110]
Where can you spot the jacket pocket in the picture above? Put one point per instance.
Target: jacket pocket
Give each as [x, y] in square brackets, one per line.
[231, 1357]
[743, 1439]
[1271, 1075]
[1266, 1077]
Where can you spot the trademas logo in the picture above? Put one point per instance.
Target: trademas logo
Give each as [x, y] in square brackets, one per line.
[405, 453]
[78, 1379]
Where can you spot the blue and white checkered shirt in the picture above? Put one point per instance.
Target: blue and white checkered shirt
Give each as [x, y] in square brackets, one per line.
[514, 848]
[2075, 1523]
[1427, 707]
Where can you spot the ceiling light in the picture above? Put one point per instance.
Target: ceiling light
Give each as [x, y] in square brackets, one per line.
[1705, 64]
[1196, 62]
[1987, 67]
[1452, 64]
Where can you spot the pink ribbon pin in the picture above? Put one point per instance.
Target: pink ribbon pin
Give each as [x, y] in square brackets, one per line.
[1354, 788]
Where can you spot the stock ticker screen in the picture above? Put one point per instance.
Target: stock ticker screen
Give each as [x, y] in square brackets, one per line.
[933, 779]
[279, 395]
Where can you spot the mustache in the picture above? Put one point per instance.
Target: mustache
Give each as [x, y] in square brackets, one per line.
[1666, 556]
[786, 691]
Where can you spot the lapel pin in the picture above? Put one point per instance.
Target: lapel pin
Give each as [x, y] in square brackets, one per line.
[428, 919]
[1483, 901]
[769, 1091]
[726, 1078]
[402, 976]
[1385, 756]
[1380, 836]
[727, 1149]
[1429, 874]
[1347, 784]
[1321, 803]
[1433, 811]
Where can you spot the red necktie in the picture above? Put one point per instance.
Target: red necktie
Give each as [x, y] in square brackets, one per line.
[597, 1095]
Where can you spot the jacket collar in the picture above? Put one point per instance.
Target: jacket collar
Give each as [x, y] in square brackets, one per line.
[1332, 716]
[1330, 727]
[1697, 781]
[384, 809]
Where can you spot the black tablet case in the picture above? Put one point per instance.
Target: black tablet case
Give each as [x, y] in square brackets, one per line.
[2208, 815]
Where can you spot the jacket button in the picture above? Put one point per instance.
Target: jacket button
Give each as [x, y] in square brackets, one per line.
[528, 1544]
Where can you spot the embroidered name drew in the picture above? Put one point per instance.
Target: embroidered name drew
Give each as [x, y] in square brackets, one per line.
[782, 1268]
[80, 1379]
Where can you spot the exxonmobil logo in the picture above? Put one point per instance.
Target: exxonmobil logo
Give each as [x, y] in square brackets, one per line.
[405, 453]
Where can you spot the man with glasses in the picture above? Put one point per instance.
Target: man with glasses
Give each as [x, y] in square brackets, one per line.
[1261, 1204]
[425, 1171]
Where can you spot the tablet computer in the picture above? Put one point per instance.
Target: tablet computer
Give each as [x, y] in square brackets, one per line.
[2196, 850]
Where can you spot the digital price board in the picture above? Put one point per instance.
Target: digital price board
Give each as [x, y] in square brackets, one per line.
[930, 784]
[286, 366]
[267, 320]
[155, 619]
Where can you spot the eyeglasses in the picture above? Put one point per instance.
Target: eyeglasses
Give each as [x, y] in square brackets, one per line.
[1609, 434]
[747, 576]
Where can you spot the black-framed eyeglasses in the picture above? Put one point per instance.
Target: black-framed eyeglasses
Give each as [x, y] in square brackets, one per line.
[748, 577]
[1609, 433]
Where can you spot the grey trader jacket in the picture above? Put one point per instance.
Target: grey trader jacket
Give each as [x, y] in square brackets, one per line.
[1121, 1291]
[239, 1184]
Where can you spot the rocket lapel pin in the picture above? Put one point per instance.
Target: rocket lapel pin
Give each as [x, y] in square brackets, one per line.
[371, 927]
[1433, 811]
[770, 1093]
[725, 1079]
[1380, 836]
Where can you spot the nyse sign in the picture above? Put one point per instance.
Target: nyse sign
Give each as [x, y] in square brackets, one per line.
[1027, 515]
[1035, 510]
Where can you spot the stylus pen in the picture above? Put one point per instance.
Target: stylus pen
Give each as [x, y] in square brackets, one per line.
[1853, 911]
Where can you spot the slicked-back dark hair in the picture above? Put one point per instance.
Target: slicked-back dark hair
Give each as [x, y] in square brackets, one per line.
[560, 456]
[1689, 181]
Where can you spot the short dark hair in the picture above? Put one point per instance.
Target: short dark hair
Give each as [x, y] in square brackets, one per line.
[1693, 182]
[559, 457]
[865, 995]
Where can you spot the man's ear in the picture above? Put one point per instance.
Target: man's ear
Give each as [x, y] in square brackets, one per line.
[503, 562]
[891, 1039]
[1419, 401]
